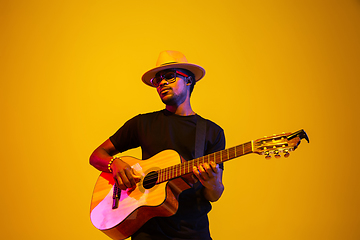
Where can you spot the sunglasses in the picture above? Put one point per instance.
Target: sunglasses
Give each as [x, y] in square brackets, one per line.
[169, 77]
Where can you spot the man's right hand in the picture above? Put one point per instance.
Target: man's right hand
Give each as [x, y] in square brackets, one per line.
[125, 176]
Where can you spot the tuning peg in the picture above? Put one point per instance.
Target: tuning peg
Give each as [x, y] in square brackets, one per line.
[277, 155]
[286, 153]
[267, 156]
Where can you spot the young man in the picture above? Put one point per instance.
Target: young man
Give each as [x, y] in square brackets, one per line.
[171, 128]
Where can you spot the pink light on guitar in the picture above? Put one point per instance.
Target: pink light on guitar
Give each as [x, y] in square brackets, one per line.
[164, 176]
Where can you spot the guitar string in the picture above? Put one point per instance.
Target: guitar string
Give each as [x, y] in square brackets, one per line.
[172, 172]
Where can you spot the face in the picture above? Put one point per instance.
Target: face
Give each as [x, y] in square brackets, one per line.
[173, 93]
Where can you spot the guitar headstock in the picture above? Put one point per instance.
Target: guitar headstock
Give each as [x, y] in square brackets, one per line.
[279, 144]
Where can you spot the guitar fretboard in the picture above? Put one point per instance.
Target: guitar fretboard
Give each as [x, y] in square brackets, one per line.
[181, 169]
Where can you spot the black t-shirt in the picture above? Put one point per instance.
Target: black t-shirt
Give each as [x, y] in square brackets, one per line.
[158, 131]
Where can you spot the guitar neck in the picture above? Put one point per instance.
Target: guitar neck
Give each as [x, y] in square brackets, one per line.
[186, 167]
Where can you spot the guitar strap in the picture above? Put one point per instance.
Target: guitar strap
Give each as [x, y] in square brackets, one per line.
[199, 142]
[200, 137]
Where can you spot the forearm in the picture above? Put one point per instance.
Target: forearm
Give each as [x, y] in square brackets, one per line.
[100, 159]
[101, 156]
[214, 193]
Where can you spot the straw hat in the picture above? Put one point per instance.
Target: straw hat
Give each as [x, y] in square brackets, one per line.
[172, 59]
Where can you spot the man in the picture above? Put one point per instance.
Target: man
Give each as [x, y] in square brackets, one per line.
[171, 128]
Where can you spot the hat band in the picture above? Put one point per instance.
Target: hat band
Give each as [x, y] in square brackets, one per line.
[167, 63]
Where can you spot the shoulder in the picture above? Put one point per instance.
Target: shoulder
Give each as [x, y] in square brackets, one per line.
[145, 119]
[151, 114]
[210, 125]
[148, 115]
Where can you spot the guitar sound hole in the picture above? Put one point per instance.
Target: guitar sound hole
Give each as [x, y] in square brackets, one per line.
[150, 180]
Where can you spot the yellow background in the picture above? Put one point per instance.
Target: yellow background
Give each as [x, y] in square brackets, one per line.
[70, 77]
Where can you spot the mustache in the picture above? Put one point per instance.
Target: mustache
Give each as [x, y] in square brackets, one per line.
[164, 88]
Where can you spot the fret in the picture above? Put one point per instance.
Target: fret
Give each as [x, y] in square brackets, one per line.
[231, 153]
[159, 176]
[170, 171]
[238, 151]
[186, 167]
[217, 157]
[223, 155]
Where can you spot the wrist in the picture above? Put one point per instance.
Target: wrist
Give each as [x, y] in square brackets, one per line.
[111, 162]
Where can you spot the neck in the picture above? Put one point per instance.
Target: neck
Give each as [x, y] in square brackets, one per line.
[184, 109]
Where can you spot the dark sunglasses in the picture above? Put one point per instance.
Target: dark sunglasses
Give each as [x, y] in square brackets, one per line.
[169, 77]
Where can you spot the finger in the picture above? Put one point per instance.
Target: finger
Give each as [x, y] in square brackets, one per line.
[130, 177]
[125, 179]
[196, 172]
[203, 173]
[135, 175]
[120, 183]
[214, 167]
[209, 170]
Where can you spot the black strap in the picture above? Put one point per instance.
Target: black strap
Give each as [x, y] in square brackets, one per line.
[199, 144]
[200, 137]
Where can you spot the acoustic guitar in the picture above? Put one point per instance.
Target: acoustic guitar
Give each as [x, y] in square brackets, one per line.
[120, 213]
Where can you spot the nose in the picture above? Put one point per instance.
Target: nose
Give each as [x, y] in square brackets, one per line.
[163, 82]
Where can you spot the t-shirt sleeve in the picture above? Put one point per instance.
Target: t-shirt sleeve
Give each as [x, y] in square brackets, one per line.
[126, 137]
[215, 140]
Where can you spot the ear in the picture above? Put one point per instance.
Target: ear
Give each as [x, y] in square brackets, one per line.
[189, 80]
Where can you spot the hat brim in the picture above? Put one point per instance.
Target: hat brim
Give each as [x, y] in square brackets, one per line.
[198, 71]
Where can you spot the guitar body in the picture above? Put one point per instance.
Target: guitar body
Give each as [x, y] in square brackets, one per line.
[136, 206]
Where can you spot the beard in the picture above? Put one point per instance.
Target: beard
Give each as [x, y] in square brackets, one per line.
[172, 99]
